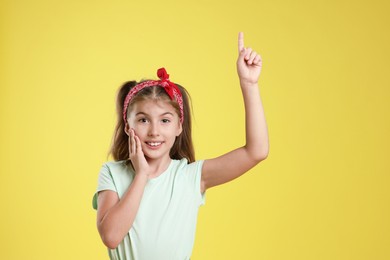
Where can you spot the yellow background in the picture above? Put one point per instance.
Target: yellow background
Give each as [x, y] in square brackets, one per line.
[323, 193]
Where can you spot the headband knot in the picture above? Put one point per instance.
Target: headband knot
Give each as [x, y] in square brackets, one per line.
[162, 74]
[170, 88]
[164, 82]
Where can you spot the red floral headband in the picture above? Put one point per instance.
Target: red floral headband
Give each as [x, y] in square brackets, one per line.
[169, 87]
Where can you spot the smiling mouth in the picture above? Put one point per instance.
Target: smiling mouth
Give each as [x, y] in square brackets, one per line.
[154, 144]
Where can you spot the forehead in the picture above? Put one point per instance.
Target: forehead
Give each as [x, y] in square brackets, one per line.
[152, 107]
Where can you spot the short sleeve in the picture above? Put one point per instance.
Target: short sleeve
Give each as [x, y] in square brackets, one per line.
[105, 182]
[195, 173]
[198, 182]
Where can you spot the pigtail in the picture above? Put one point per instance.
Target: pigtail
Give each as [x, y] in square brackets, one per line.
[183, 147]
[119, 147]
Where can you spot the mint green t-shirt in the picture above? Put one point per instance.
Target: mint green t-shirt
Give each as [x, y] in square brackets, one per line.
[164, 228]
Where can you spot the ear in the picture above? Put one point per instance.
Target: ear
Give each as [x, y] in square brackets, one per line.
[127, 129]
[179, 130]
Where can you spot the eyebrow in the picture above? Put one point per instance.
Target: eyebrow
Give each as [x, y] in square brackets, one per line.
[163, 114]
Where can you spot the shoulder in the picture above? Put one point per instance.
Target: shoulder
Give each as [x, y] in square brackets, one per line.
[115, 165]
[117, 168]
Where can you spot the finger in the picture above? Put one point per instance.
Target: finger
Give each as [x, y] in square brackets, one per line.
[248, 52]
[138, 145]
[240, 42]
[252, 57]
[130, 145]
[132, 142]
[257, 60]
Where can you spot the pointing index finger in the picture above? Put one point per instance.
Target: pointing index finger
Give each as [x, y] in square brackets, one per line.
[240, 41]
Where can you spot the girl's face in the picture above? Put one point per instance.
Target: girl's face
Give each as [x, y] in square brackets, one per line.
[157, 125]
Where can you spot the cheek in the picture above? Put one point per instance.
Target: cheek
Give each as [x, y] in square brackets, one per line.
[137, 128]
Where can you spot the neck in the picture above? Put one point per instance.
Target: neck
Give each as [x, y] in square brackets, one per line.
[158, 166]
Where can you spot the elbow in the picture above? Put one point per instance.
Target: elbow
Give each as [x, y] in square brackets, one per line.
[110, 242]
[259, 155]
[111, 246]
[109, 238]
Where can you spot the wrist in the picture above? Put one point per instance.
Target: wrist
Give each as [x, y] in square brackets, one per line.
[142, 175]
[248, 84]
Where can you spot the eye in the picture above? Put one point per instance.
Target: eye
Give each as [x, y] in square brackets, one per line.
[166, 120]
[143, 120]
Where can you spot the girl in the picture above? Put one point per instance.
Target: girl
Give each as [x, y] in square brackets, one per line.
[147, 200]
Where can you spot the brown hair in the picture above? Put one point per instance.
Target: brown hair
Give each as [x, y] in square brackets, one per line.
[182, 148]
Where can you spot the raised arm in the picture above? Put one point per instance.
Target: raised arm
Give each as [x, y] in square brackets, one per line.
[235, 163]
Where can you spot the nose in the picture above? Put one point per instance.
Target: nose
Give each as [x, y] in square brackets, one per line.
[153, 129]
